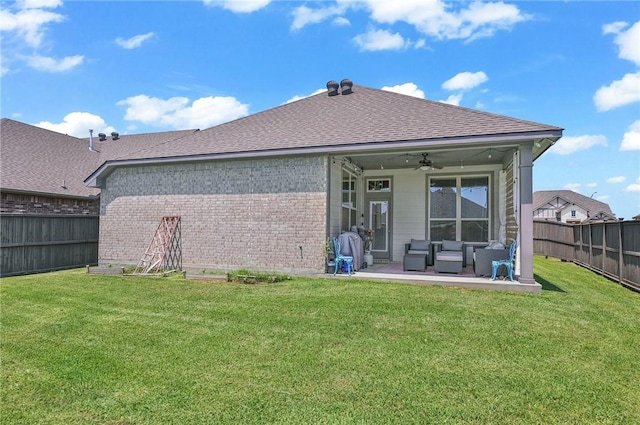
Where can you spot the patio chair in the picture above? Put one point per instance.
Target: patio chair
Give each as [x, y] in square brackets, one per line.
[416, 254]
[341, 259]
[508, 263]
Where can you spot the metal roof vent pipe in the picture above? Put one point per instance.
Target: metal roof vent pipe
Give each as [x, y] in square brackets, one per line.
[91, 141]
[347, 86]
[114, 135]
[332, 87]
[102, 137]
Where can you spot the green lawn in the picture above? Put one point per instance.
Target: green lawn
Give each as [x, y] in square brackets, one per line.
[86, 349]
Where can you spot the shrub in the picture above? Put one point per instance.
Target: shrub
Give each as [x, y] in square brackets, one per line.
[249, 277]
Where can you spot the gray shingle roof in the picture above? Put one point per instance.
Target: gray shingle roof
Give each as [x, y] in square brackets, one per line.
[36, 160]
[592, 206]
[39, 160]
[367, 116]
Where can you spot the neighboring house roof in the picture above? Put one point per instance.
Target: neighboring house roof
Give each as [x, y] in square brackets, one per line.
[593, 207]
[39, 161]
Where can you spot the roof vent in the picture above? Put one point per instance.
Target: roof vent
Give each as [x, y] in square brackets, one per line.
[347, 86]
[332, 87]
[114, 135]
[91, 140]
[102, 137]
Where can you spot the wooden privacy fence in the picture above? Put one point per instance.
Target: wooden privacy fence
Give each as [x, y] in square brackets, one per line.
[39, 243]
[609, 248]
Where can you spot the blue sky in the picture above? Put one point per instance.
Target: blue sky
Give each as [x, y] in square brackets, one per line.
[142, 66]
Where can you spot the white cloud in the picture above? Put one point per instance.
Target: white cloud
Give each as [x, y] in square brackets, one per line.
[593, 184]
[628, 42]
[341, 21]
[38, 4]
[298, 97]
[135, 41]
[410, 89]
[303, 15]
[616, 179]
[28, 25]
[453, 99]
[618, 93]
[634, 187]
[434, 18]
[614, 27]
[437, 19]
[568, 145]
[239, 6]
[375, 40]
[78, 124]
[572, 186]
[176, 112]
[631, 138]
[44, 63]
[465, 81]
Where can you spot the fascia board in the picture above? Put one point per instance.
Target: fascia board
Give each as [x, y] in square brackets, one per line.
[96, 179]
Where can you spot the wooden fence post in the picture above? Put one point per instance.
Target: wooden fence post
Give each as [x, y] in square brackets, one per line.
[620, 251]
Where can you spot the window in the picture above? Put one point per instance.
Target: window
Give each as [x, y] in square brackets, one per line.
[349, 199]
[573, 213]
[459, 209]
[379, 185]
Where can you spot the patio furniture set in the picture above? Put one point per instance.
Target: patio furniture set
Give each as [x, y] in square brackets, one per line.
[448, 257]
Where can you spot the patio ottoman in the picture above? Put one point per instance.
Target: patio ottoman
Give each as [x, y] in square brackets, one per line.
[416, 262]
[448, 262]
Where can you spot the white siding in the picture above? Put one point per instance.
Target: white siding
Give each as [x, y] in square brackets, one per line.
[409, 209]
[565, 214]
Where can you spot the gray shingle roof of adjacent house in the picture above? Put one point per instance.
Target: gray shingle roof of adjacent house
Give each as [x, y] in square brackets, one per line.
[366, 116]
[592, 206]
[36, 160]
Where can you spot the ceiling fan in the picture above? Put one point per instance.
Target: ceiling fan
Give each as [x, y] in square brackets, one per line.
[426, 164]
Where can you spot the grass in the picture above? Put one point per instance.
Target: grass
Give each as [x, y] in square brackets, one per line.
[86, 349]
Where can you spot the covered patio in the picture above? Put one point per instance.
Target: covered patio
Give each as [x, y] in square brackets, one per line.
[393, 272]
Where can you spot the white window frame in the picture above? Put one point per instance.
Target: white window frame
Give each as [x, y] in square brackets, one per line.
[458, 218]
[351, 204]
[378, 190]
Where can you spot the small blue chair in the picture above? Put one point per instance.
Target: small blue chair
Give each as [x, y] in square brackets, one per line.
[341, 259]
[508, 263]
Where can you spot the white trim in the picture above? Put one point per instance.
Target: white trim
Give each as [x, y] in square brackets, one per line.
[366, 183]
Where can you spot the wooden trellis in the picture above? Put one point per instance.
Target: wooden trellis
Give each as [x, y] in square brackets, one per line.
[165, 250]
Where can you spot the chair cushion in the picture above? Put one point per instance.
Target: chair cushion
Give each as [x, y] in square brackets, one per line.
[419, 245]
[449, 256]
[417, 251]
[452, 245]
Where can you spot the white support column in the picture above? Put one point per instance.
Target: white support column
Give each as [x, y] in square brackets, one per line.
[526, 214]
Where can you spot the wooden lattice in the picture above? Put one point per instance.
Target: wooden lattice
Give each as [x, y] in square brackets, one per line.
[165, 250]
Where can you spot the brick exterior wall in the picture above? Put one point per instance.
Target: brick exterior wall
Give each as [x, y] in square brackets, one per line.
[16, 203]
[264, 215]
